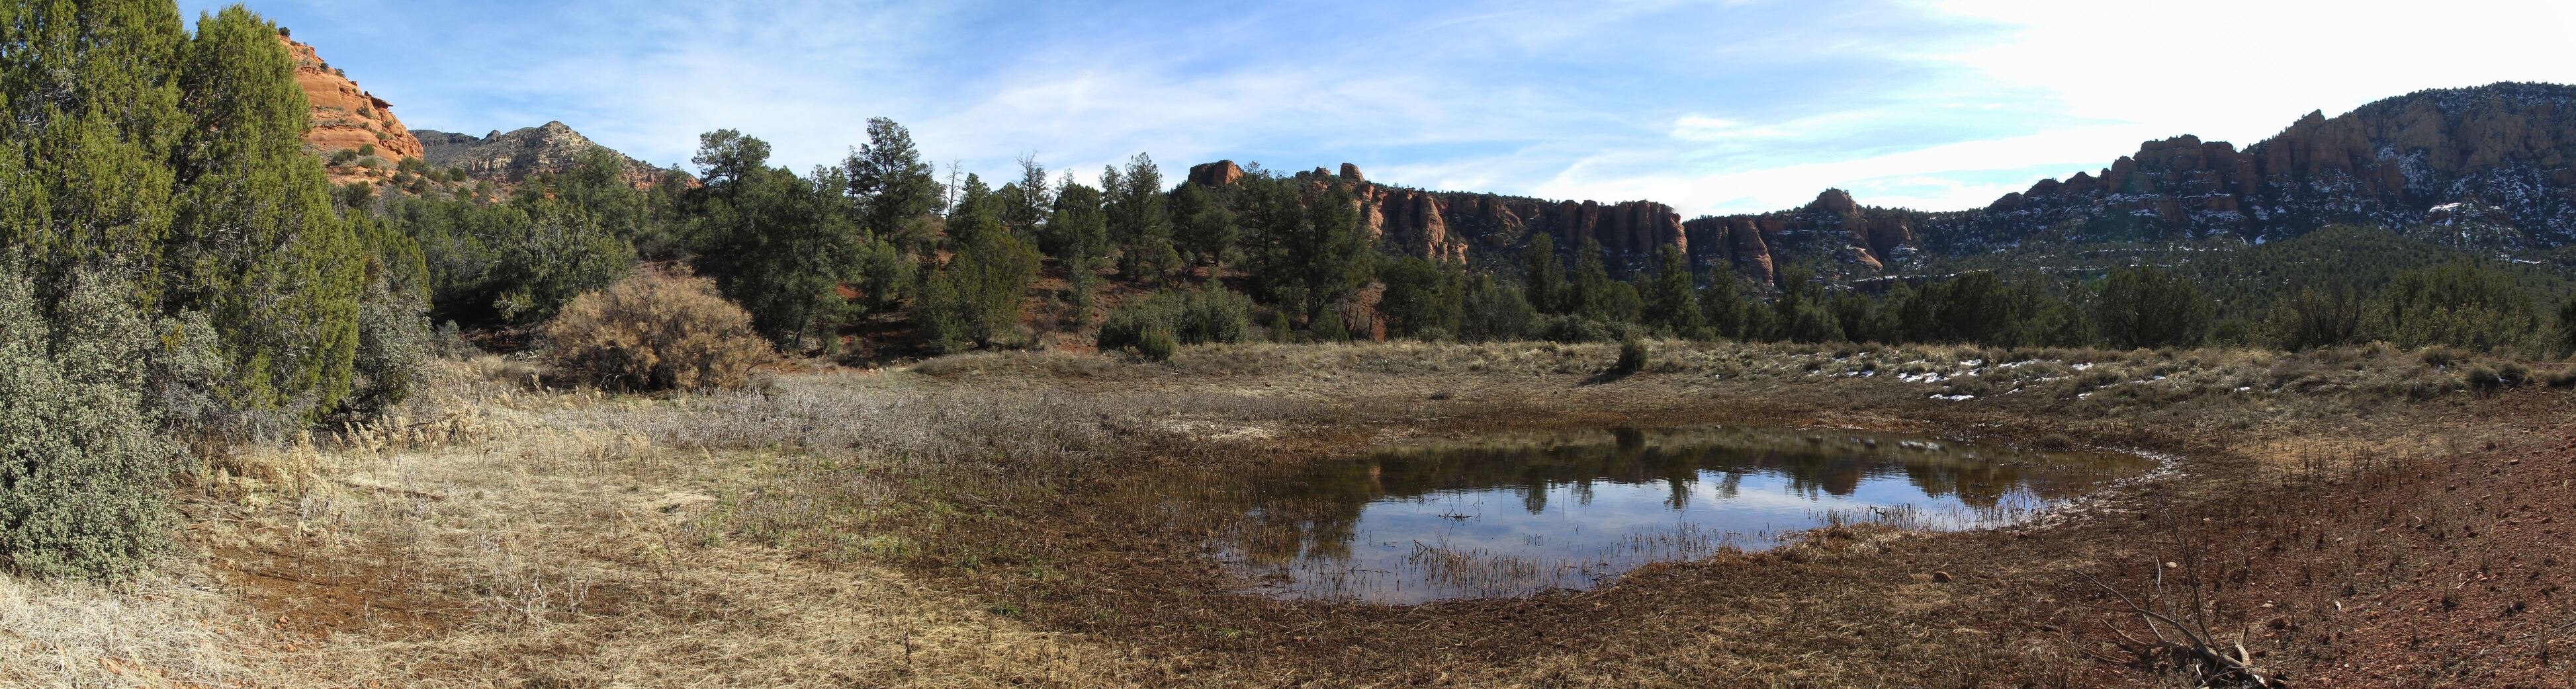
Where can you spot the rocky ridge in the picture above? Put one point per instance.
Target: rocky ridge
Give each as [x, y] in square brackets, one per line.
[514, 156]
[2492, 167]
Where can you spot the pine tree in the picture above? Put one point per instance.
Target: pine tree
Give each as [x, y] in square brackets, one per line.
[1027, 203]
[1423, 300]
[897, 192]
[1670, 302]
[1139, 222]
[1587, 291]
[1546, 285]
[779, 245]
[1723, 303]
[1330, 250]
[1202, 226]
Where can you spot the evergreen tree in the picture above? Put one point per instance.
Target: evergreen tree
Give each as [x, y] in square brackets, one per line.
[256, 243]
[1670, 302]
[2149, 307]
[1423, 300]
[989, 274]
[1723, 303]
[1027, 203]
[1494, 312]
[90, 115]
[1587, 290]
[2566, 327]
[2464, 303]
[1138, 221]
[1077, 232]
[1203, 227]
[1330, 251]
[779, 245]
[1800, 314]
[1546, 285]
[897, 192]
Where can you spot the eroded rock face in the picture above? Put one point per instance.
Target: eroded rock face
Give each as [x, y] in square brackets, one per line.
[2492, 166]
[1412, 220]
[515, 156]
[1216, 174]
[345, 117]
[2505, 146]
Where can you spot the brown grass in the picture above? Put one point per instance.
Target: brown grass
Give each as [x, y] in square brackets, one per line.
[980, 521]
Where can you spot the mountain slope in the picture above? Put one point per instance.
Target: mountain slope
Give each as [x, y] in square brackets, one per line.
[514, 156]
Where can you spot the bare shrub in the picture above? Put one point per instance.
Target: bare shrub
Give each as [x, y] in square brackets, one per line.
[656, 332]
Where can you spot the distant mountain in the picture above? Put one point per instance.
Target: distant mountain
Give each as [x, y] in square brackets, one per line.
[514, 156]
[2491, 168]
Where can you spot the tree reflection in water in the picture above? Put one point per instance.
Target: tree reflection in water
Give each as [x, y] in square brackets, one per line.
[1589, 505]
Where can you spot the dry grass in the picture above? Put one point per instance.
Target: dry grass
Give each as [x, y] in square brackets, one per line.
[157, 631]
[977, 521]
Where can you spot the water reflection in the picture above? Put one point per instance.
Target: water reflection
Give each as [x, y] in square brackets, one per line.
[1515, 514]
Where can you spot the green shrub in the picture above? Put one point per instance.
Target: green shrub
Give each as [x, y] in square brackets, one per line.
[1214, 316]
[1329, 327]
[2561, 379]
[1156, 343]
[654, 332]
[2484, 380]
[1632, 357]
[1573, 328]
[82, 472]
[1494, 312]
[2514, 374]
[2439, 356]
[367, 150]
[393, 341]
[1195, 317]
[344, 157]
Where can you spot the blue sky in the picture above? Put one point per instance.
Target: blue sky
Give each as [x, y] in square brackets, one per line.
[1713, 107]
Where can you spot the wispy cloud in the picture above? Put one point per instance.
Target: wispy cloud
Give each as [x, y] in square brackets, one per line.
[1744, 105]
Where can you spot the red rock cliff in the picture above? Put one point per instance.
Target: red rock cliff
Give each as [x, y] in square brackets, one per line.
[346, 117]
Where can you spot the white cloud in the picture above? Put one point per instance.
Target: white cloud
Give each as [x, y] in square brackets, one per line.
[1711, 107]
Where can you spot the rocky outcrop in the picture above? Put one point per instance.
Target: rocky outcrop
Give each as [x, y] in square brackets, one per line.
[1841, 237]
[2491, 167]
[512, 157]
[1409, 219]
[2506, 146]
[346, 117]
[1216, 174]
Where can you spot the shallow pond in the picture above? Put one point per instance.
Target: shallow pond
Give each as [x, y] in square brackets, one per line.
[1514, 514]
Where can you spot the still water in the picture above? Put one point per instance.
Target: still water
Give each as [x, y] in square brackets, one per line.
[1515, 514]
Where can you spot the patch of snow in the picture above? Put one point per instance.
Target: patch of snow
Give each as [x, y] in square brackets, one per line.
[1954, 398]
